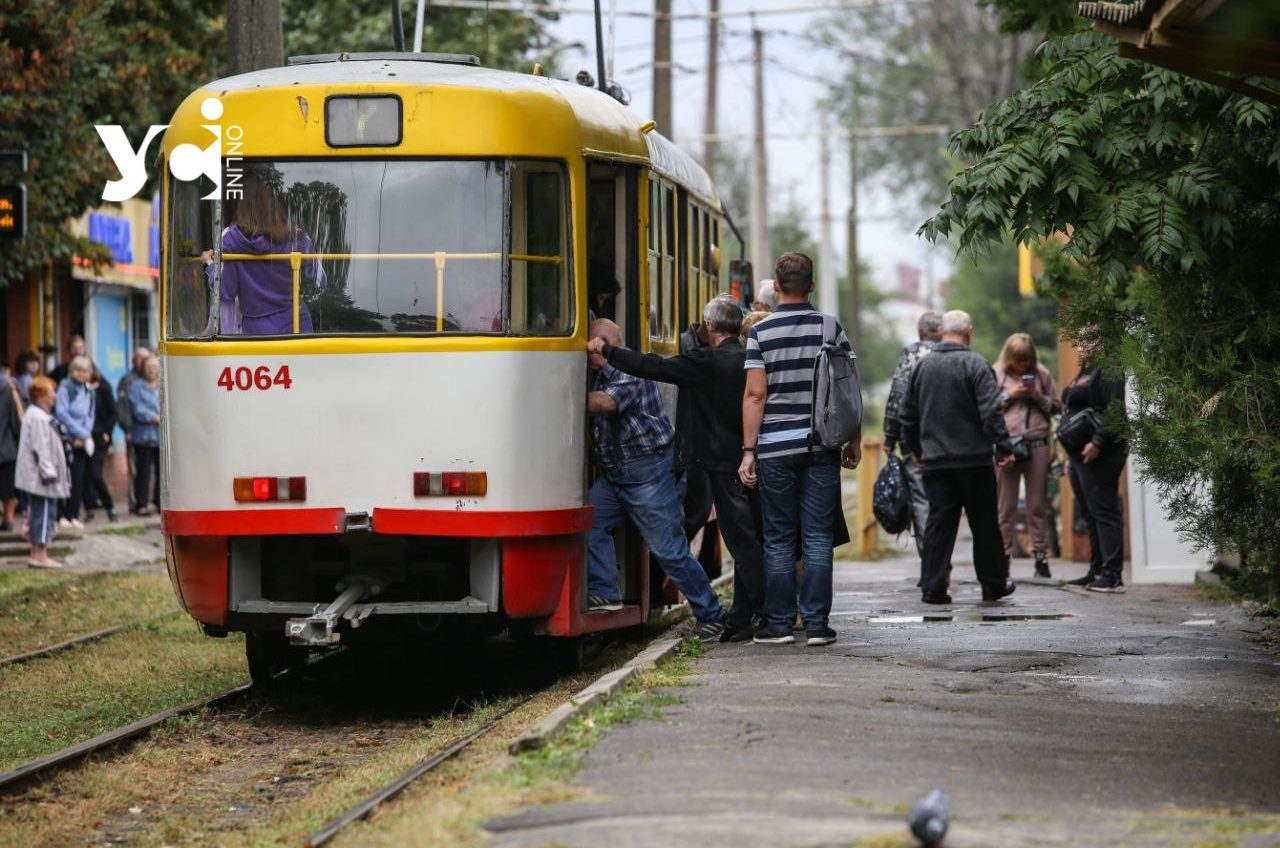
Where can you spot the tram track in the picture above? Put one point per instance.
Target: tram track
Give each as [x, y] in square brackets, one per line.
[371, 802]
[77, 641]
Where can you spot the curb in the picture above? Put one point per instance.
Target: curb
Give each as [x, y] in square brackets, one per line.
[604, 687]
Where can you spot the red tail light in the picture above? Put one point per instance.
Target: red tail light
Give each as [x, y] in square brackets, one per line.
[251, 489]
[450, 484]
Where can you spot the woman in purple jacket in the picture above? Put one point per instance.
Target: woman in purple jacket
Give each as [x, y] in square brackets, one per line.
[257, 295]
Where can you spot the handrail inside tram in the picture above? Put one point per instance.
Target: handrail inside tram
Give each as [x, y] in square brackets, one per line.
[439, 257]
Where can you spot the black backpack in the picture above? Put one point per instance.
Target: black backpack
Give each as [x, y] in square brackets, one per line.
[891, 499]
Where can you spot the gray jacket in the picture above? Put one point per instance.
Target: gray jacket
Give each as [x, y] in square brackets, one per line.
[42, 463]
[951, 414]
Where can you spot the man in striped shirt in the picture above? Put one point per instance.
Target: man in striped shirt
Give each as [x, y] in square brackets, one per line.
[799, 481]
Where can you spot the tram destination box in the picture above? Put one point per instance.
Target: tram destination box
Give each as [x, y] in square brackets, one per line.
[13, 211]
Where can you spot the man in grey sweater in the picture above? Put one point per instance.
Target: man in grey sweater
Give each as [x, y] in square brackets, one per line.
[951, 420]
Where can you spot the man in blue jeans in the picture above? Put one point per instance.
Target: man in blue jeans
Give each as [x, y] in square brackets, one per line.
[632, 438]
[799, 482]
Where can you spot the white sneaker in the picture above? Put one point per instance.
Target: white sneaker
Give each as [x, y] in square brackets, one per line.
[43, 563]
[64, 522]
[77, 523]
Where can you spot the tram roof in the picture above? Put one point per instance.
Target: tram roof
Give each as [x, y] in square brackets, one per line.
[602, 120]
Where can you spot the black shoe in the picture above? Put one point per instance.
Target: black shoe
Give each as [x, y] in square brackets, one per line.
[766, 636]
[1042, 567]
[1084, 581]
[711, 631]
[595, 603]
[6, 526]
[997, 594]
[1107, 582]
[937, 599]
[88, 515]
[741, 633]
[817, 638]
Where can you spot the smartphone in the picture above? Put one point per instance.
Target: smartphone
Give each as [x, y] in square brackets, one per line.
[1028, 380]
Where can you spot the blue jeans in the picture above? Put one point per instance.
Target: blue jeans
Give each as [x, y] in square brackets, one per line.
[799, 499]
[644, 490]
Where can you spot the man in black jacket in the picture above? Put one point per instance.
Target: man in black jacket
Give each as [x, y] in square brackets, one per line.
[951, 419]
[712, 380]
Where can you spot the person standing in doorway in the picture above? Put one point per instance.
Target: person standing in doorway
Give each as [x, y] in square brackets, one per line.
[951, 420]
[144, 404]
[1095, 472]
[799, 482]
[125, 414]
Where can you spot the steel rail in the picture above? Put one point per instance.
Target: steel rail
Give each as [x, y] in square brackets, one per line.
[36, 768]
[395, 787]
[18, 659]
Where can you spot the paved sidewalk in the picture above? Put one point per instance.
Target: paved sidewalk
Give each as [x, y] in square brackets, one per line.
[1139, 720]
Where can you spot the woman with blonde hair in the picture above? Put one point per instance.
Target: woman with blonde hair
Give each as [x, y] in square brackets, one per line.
[1028, 399]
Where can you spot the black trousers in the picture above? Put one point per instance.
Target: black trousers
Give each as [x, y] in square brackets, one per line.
[79, 476]
[973, 490]
[697, 501]
[738, 514]
[148, 475]
[97, 483]
[1096, 486]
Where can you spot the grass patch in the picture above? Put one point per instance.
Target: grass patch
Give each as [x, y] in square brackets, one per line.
[124, 530]
[17, 582]
[36, 613]
[51, 703]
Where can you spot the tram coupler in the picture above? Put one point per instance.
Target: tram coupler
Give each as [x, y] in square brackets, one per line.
[317, 629]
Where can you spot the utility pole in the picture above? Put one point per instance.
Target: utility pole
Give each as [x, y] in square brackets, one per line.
[828, 297]
[709, 127]
[255, 38]
[855, 285]
[761, 250]
[662, 67]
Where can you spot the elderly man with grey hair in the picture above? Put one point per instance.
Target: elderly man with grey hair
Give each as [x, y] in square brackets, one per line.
[929, 330]
[954, 428]
[711, 381]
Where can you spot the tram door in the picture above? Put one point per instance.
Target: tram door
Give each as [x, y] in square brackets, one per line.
[613, 240]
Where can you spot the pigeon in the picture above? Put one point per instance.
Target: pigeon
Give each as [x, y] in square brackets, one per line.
[930, 818]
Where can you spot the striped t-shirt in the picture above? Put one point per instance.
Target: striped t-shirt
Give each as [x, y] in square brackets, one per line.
[785, 345]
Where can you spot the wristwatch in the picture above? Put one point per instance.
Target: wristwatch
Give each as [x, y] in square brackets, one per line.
[748, 449]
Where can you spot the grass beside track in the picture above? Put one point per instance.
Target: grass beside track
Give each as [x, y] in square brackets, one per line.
[50, 703]
[38, 609]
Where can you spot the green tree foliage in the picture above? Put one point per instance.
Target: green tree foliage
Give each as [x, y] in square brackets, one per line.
[70, 64]
[501, 39]
[1150, 170]
[987, 288]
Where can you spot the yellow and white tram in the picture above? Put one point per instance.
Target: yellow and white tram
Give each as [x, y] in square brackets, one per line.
[375, 416]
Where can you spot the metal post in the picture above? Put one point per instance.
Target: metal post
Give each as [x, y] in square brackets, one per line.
[418, 25]
[662, 66]
[397, 26]
[828, 297]
[603, 82]
[709, 121]
[761, 249]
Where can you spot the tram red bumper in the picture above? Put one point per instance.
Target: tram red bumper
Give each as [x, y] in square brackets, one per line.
[198, 571]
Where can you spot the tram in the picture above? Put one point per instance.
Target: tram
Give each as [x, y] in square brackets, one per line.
[377, 280]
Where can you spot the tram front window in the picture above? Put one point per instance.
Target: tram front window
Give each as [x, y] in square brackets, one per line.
[380, 247]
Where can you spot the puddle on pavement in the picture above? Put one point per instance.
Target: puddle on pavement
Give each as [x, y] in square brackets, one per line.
[981, 618]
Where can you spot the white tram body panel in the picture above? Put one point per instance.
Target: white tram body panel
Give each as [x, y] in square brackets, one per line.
[358, 426]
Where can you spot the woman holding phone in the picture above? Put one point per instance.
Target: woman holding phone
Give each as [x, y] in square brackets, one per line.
[1028, 399]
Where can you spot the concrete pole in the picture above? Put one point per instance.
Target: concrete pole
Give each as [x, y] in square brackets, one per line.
[854, 325]
[255, 37]
[709, 123]
[662, 67]
[762, 259]
[828, 296]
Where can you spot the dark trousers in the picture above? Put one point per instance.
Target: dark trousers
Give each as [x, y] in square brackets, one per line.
[79, 476]
[1096, 486]
[696, 501]
[737, 513]
[97, 483]
[973, 490]
[147, 458]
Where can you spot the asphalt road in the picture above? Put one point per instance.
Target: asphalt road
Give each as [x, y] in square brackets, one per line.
[1142, 719]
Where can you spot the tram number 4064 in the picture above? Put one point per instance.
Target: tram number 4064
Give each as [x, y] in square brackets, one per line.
[260, 378]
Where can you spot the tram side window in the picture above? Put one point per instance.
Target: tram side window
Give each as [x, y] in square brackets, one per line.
[669, 264]
[541, 303]
[192, 225]
[655, 259]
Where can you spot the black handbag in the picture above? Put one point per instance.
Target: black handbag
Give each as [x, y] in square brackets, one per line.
[1077, 429]
[1021, 448]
